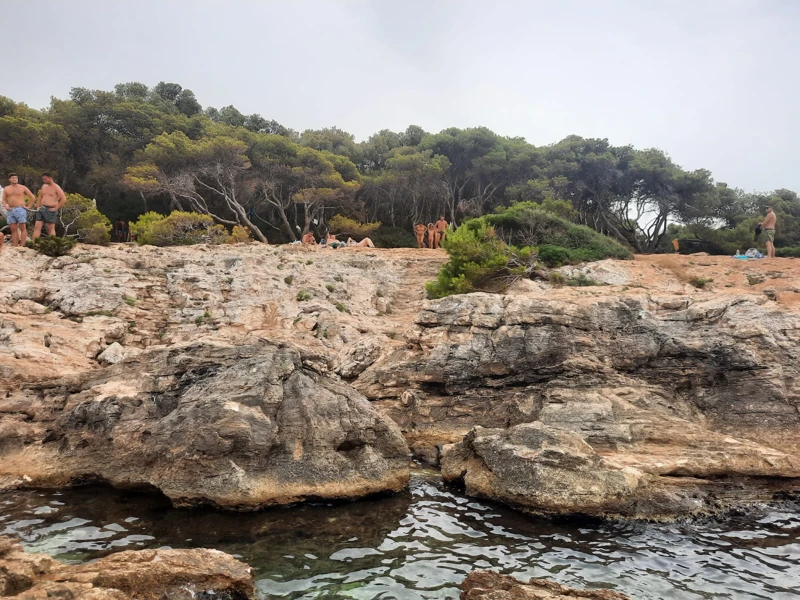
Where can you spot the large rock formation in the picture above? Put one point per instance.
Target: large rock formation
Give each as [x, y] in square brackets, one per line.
[642, 401]
[233, 426]
[144, 574]
[488, 585]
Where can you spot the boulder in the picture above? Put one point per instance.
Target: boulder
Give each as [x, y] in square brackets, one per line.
[142, 574]
[233, 426]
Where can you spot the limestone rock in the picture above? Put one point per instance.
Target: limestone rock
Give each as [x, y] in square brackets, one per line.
[113, 354]
[488, 585]
[142, 574]
[672, 398]
[355, 358]
[233, 426]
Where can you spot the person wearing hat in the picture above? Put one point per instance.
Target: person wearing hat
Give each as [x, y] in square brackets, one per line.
[768, 227]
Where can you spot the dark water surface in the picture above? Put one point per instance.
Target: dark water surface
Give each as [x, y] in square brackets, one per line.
[423, 543]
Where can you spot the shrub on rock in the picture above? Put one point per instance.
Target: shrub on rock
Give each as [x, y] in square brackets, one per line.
[53, 245]
[178, 229]
[491, 252]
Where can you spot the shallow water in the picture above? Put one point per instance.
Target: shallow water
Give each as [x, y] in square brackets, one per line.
[421, 544]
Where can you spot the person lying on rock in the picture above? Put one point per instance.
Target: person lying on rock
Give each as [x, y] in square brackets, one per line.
[365, 243]
[419, 231]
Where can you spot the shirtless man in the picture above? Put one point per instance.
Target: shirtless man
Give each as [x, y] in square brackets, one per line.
[308, 240]
[441, 227]
[768, 227]
[17, 199]
[419, 231]
[51, 199]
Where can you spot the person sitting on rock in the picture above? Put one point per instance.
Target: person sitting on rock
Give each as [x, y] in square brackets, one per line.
[365, 243]
[332, 242]
[308, 239]
[419, 231]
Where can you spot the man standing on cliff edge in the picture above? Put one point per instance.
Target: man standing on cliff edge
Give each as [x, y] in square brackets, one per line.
[16, 200]
[768, 227]
[51, 198]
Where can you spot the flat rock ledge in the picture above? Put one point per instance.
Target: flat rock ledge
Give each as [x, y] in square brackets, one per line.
[196, 574]
[488, 585]
[237, 427]
[548, 470]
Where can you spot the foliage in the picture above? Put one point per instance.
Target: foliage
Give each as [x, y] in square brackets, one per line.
[178, 229]
[393, 237]
[699, 282]
[789, 252]
[79, 216]
[53, 245]
[139, 149]
[490, 252]
[239, 235]
[302, 296]
[559, 242]
[479, 261]
[340, 224]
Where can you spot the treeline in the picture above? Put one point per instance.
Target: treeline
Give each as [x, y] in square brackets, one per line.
[137, 149]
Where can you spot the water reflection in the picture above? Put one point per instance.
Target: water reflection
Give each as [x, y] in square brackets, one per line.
[421, 544]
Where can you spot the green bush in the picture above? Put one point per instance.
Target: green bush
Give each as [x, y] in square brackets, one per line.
[53, 245]
[526, 224]
[393, 237]
[79, 216]
[490, 252]
[178, 229]
[479, 261]
[788, 252]
[554, 256]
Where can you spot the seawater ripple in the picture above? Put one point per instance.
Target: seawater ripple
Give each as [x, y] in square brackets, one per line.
[421, 544]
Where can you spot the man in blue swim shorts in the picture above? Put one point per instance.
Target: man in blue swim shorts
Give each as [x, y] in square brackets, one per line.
[16, 200]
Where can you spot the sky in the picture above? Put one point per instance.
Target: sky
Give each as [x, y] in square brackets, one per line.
[714, 83]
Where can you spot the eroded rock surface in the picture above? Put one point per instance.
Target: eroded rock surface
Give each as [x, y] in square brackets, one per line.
[687, 392]
[143, 574]
[488, 585]
[233, 426]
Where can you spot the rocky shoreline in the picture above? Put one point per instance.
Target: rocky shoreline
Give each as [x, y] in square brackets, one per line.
[249, 376]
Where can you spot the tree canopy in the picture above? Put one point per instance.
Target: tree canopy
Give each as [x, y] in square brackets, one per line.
[138, 148]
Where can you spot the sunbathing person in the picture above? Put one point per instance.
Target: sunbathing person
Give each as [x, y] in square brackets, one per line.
[308, 240]
[365, 243]
[332, 242]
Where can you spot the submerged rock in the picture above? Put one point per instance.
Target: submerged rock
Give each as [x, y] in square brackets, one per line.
[488, 585]
[232, 426]
[141, 574]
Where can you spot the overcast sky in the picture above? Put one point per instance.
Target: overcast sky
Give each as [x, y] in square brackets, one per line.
[714, 83]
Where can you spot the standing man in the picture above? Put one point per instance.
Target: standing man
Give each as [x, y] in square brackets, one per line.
[441, 227]
[16, 200]
[768, 227]
[51, 198]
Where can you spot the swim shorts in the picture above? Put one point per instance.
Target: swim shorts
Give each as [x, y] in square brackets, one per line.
[46, 215]
[770, 233]
[18, 214]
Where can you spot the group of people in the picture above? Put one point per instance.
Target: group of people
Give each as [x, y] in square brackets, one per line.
[329, 241]
[18, 201]
[435, 233]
